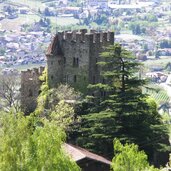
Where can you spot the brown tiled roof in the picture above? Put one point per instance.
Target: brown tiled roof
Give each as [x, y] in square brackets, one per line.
[54, 47]
[78, 153]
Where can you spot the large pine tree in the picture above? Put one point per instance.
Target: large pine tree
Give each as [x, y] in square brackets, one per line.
[120, 109]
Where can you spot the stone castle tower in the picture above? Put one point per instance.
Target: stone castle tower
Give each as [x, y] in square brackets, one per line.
[71, 59]
[30, 87]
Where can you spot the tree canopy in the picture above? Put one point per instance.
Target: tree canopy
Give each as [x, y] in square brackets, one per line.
[31, 144]
[120, 109]
[128, 157]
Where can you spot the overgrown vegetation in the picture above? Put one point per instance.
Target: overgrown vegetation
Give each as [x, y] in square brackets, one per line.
[29, 143]
[57, 104]
[128, 158]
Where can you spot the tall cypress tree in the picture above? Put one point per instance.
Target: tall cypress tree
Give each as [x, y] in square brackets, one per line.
[120, 109]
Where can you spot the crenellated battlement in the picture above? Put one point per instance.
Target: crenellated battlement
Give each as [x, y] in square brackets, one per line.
[78, 36]
[30, 74]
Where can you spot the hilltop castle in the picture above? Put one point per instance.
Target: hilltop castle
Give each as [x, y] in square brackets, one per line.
[71, 58]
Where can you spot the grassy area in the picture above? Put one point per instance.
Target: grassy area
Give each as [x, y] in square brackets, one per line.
[14, 24]
[63, 21]
[28, 19]
[157, 62]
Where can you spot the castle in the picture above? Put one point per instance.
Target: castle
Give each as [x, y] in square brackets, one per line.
[71, 58]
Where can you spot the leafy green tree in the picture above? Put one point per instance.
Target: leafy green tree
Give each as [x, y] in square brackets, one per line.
[63, 92]
[28, 143]
[63, 115]
[120, 109]
[128, 157]
[57, 104]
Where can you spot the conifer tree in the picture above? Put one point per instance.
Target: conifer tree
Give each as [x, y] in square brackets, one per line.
[120, 109]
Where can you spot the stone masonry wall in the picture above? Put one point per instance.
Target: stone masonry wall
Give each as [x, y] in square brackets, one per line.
[72, 57]
[30, 87]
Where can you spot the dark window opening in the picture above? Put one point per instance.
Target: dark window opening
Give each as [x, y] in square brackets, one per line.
[75, 78]
[51, 62]
[75, 62]
[51, 77]
[30, 93]
[84, 78]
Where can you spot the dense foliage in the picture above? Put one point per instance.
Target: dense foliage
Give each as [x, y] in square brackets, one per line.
[31, 144]
[57, 104]
[120, 109]
[128, 158]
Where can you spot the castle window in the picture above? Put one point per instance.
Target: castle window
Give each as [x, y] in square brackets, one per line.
[30, 93]
[75, 62]
[75, 78]
[51, 62]
[51, 77]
